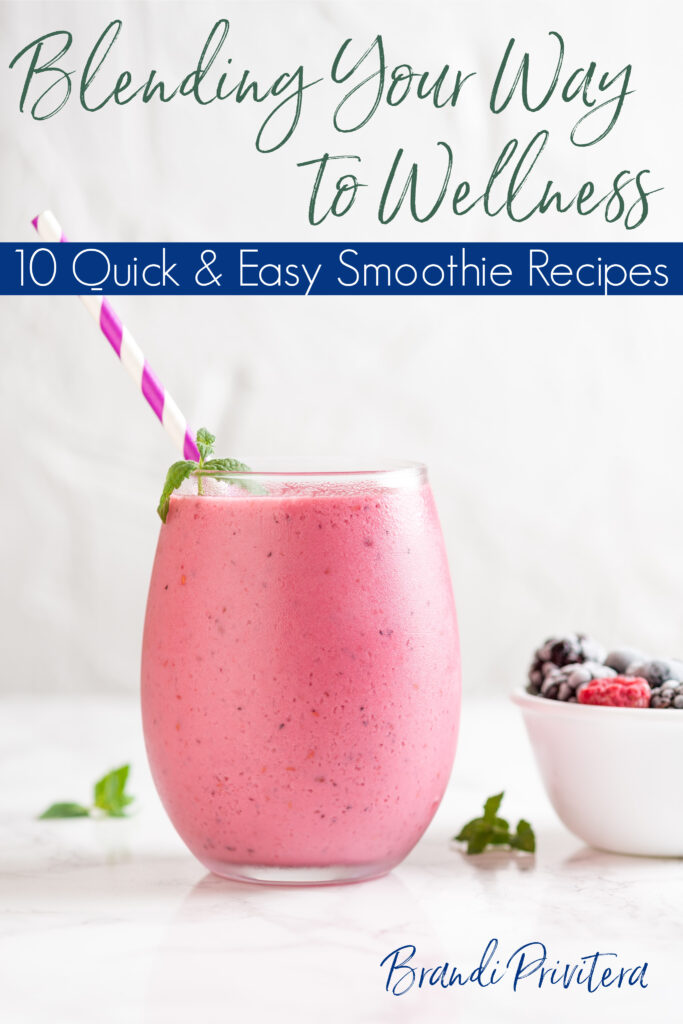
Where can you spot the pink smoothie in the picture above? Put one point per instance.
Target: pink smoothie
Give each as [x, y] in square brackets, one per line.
[300, 674]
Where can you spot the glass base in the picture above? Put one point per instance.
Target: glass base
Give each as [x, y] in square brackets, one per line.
[269, 874]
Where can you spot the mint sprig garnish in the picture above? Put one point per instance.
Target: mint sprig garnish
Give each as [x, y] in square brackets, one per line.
[180, 471]
[490, 830]
[109, 797]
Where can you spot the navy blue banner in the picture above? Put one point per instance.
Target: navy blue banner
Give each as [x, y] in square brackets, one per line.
[336, 268]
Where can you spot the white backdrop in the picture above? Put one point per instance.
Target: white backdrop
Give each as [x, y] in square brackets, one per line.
[552, 426]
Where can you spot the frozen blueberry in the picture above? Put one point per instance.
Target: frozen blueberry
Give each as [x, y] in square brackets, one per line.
[656, 672]
[581, 674]
[677, 665]
[675, 668]
[669, 695]
[591, 650]
[623, 657]
[566, 651]
[598, 670]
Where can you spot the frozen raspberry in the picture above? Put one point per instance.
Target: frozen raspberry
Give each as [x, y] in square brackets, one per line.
[559, 652]
[616, 692]
[669, 695]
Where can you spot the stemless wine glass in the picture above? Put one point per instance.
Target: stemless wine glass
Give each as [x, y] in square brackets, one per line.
[301, 670]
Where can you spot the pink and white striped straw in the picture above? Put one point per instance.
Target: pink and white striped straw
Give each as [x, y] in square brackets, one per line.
[129, 352]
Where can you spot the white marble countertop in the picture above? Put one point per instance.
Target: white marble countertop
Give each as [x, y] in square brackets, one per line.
[114, 921]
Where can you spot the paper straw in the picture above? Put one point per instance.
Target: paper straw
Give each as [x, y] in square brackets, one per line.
[129, 352]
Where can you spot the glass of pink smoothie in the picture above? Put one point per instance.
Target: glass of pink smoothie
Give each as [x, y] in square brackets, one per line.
[301, 670]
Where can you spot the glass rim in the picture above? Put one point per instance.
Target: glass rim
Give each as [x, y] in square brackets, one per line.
[335, 467]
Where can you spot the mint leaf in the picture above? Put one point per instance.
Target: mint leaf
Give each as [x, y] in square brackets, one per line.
[492, 806]
[65, 810]
[499, 836]
[205, 440]
[469, 831]
[110, 795]
[178, 472]
[225, 466]
[490, 830]
[233, 466]
[478, 842]
[525, 838]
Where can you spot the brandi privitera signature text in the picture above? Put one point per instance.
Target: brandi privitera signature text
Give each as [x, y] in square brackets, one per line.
[530, 965]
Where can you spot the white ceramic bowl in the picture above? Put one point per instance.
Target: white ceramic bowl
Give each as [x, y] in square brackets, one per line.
[613, 775]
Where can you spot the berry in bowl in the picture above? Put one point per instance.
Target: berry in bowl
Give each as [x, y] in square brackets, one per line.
[607, 735]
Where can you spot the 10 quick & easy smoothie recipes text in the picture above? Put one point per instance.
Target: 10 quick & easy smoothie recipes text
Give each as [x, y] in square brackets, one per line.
[364, 78]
